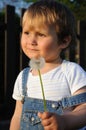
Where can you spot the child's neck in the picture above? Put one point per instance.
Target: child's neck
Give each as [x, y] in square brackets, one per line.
[48, 66]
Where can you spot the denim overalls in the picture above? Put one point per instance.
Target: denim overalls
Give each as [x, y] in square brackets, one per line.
[31, 106]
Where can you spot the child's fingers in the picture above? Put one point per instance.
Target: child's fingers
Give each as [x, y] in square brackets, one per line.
[44, 115]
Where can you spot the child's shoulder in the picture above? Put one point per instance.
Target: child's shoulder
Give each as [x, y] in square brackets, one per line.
[25, 69]
[71, 66]
[23, 72]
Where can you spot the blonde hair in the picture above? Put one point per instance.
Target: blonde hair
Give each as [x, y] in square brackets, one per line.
[53, 14]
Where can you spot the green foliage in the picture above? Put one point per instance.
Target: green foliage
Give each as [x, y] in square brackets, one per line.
[2, 16]
[80, 9]
[77, 6]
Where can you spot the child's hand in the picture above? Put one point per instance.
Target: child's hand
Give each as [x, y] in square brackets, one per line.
[51, 121]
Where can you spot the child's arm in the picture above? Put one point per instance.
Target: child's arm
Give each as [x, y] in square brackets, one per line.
[69, 121]
[15, 122]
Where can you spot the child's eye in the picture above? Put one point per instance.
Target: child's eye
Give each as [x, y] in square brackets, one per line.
[41, 34]
[27, 33]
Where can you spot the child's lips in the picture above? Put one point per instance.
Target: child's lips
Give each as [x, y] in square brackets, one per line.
[33, 50]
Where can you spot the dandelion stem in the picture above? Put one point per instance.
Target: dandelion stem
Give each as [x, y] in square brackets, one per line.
[45, 106]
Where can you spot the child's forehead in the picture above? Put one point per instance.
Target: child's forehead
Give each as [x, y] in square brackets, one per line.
[32, 24]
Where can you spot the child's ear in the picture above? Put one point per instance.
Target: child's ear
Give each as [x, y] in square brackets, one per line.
[66, 41]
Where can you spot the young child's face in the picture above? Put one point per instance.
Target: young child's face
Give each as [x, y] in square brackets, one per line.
[41, 41]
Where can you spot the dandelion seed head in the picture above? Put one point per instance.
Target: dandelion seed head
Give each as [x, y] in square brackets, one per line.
[37, 63]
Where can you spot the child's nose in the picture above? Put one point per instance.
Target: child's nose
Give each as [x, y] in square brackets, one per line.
[33, 40]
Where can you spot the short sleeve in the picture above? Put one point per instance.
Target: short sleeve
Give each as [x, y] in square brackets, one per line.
[17, 91]
[76, 76]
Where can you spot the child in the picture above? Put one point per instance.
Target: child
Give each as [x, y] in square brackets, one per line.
[48, 27]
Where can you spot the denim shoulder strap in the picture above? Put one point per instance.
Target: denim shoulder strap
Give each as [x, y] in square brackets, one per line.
[74, 100]
[24, 81]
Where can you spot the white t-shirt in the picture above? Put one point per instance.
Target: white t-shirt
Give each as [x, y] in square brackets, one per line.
[60, 82]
